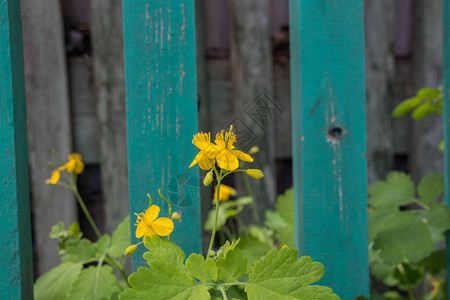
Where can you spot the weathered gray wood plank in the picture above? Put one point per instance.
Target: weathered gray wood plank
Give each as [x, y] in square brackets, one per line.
[425, 156]
[48, 121]
[107, 43]
[379, 19]
[254, 108]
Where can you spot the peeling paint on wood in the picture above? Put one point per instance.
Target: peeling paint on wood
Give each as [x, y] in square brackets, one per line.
[161, 101]
[328, 114]
[16, 268]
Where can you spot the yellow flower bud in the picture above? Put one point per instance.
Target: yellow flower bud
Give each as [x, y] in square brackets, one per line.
[284, 246]
[254, 149]
[255, 173]
[55, 177]
[176, 216]
[208, 178]
[130, 250]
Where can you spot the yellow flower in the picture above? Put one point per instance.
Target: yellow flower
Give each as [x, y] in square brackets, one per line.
[435, 284]
[255, 173]
[54, 178]
[149, 224]
[205, 158]
[225, 193]
[74, 164]
[227, 156]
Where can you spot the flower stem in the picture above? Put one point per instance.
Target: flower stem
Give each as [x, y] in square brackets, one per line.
[170, 209]
[86, 212]
[402, 271]
[219, 179]
[222, 290]
[112, 262]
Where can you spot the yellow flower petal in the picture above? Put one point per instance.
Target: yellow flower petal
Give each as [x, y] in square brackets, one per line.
[151, 214]
[54, 178]
[71, 164]
[242, 156]
[226, 160]
[201, 140]
[163, 226]
[141, 229]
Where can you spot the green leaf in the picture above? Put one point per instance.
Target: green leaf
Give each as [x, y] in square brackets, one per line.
[282, 276]
[95, 282]
[285, 208]
[222, 252]
[121, 239]
[435, 262]
[411, 276]
[424, 110]
[205, 271]
[232, 266]
[406, 240]
[58, 231]
[397, 190]
[438, 216]
[163, 250]
[430, 187]
[56, 283]
[227, 209]
[75, 231]
[406, 106]
[164, 280]
[84, 251]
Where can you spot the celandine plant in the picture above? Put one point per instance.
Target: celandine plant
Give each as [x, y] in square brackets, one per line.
[225, 273]
[86, 270]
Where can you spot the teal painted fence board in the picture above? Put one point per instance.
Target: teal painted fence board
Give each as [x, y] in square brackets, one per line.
[329, 146]
[161, 102]
[446, 118]
[16, 273]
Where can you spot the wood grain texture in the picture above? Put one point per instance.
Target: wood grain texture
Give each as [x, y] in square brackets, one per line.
[446, 117]
[425, 135]
[161, 101]
[329, 150]
[379, 25]
[49, 125]
[16, 268]
[255, 110]
[107, 43]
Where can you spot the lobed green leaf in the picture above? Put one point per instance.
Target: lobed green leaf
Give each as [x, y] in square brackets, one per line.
[96, 283]
[121, 239]
[280, 275]
[56, 283]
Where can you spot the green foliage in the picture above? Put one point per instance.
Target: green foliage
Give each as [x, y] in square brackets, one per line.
[428, 101]
[279, 275]
[72, 279]
[227, 209]
[402, 241]
[57, 283]
[281, 221]
[97, 282]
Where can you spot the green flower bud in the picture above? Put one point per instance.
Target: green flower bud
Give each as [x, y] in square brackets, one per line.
[255, 173]
[176, 216]
[208, 178]
[130, 250]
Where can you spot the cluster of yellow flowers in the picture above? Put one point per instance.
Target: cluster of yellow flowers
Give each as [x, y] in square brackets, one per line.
[223, 151]
[74, 164]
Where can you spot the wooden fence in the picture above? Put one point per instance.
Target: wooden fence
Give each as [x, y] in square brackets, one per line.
[328, 131]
